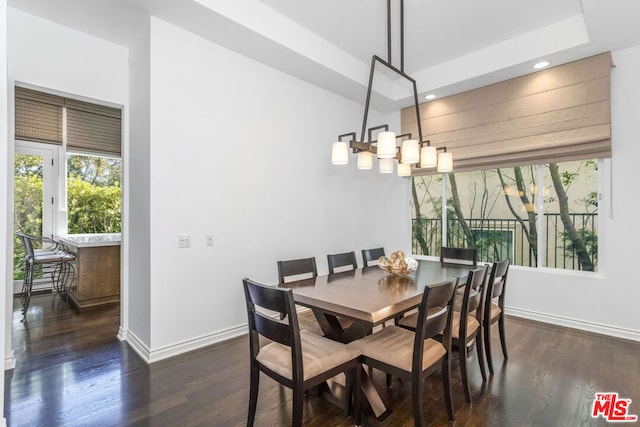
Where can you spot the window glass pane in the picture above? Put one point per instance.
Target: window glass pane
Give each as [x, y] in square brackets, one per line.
[571, 215]
[427, 214]
[27, 206]
[93, 194]
[494, 212]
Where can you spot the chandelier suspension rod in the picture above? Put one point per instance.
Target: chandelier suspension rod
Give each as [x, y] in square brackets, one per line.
[368, 99]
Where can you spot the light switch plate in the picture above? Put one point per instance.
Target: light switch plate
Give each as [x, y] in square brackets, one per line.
[184, 241]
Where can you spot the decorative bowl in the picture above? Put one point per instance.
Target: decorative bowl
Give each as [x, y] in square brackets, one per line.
[411, 265]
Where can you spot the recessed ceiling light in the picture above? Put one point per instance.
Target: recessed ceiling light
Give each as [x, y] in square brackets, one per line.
[542, 64]
[430, 97]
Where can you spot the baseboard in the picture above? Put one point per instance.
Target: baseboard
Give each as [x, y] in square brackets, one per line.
[9, 361]
[598, 328]
[37, 287]
[138, 346]
[154, 355]
[122, 334]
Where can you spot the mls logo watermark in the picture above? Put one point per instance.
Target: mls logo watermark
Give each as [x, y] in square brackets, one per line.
[612, 408]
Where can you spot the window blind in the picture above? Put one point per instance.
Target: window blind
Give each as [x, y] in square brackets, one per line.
[38, 116]
[554, 115]
[91, 128]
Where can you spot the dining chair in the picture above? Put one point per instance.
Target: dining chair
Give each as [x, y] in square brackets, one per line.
[298, 269]
[494, 312]
[412, 356]
[458, 256]
[295, 358]
[342, 260]
[464, 333]
[371, 256]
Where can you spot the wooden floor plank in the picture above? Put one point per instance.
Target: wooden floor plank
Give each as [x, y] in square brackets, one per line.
[72, 371]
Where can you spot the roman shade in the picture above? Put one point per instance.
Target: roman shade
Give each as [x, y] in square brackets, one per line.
[90, 128]
[38, 116]
[93, 128]
[554, 115]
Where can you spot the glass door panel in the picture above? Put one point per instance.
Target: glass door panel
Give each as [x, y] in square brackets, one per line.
[33, 201]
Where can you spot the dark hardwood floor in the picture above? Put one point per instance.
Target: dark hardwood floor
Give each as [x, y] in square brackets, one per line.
[72, 371]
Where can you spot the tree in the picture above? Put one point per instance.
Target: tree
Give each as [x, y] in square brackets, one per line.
[577, 238]
[529, 227]
[419, 224]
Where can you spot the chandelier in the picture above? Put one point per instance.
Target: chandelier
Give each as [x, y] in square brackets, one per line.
[413, 152]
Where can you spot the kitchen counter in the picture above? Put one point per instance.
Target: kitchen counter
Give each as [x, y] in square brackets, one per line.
[91, 240]
[97, 279]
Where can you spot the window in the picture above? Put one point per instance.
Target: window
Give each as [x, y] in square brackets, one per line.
[94, 194]
[91, 135]
[536, 215]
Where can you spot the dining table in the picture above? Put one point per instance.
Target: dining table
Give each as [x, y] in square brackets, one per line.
[366, 298]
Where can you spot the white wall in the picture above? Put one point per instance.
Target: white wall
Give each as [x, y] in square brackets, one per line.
[63, 59]
[242, 152]
[137, 328]
[608, 302]
[66, 61]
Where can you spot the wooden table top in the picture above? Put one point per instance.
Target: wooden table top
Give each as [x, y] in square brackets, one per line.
[371, 295]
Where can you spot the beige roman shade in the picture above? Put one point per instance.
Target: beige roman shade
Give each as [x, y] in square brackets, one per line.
[38, 116]
[554, 115]
[93, 128]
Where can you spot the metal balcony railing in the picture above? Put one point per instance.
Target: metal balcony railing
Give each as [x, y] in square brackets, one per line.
[500, 238]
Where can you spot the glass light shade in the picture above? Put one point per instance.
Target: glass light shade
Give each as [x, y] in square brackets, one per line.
[385, 165]
[428, 157]
[386, 148]
[445, 162]
[340, 153]
[365, 160]
[410, 151]
[404, 169]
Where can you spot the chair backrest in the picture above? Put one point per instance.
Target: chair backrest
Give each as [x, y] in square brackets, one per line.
[496, 285]
[341, 260]
[27, 245]
[458, 256]
[472, 296]
[369, 255]
[284, 331]
[434, 317]
[296, 267]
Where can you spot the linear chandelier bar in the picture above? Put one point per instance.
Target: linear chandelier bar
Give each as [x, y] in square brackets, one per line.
[384, 147]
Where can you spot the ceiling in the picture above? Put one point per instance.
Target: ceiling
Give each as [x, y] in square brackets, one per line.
[450, 46]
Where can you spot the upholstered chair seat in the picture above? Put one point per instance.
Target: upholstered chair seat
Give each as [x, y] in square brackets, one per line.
[319, 355]
[472, 325]
[394, 346]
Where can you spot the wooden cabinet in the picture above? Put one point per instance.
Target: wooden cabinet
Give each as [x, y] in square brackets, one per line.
[97, 278]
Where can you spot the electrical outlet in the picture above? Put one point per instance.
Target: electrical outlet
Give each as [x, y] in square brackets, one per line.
[184, 241]
[209, 240]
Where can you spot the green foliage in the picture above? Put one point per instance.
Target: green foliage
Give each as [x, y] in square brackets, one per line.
[590, 238]
[93, 193]
[92, 208]
[27, 206]
[568, 177]
[99, 171]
